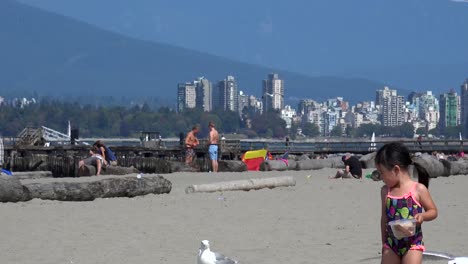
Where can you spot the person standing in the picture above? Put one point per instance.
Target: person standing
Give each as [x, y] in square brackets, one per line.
[191, 141]
[353, 168]
[402, 198]
[213, 141]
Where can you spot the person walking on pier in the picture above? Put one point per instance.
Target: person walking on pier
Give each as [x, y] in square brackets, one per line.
[353, 168]
[191, 141]
[213, 146]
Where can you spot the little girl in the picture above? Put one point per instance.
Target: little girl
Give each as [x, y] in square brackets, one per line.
[402, 198]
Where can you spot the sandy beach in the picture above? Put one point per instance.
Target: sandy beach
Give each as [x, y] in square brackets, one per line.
[317, 221]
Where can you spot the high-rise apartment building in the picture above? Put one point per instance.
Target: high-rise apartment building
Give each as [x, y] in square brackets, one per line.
[464, 107]
[328, 122]
[392, 107]
[227, 96]
[204, 98]
[307, 105]
[449, 110]
[384, 93]
[244, 102]
[428, 108]
[186, 96]
[393, 110]
[273, 92]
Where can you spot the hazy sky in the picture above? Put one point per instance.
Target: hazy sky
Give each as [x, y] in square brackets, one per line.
[377, 39]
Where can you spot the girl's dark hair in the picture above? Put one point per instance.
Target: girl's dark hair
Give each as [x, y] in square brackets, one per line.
[396, 153]
[98, 144]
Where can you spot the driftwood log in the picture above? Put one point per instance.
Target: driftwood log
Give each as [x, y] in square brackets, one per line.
[436, 168]
[231, 166]
[316, 164]
[88, 170]
[278, 165]
[368, 160]
[105, 188]
[11, 190]
[243, 185]
[303, 157]
[431, 165]
[23, 175]
[178, 166]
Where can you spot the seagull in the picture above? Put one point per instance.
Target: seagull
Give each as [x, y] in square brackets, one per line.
[452, 259]
[206, 256]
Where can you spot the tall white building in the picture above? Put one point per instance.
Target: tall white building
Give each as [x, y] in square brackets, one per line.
[186, 96]
[273, 92]
[384, 93]
[464, 107]
[288, 114]
[428, 108]
[204, 97]
[228, 95]
[392, 107]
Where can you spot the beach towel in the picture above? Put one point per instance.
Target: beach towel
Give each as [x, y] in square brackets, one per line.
[253, 159]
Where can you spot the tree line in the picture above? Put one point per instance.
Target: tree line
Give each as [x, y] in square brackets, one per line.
[119, 121]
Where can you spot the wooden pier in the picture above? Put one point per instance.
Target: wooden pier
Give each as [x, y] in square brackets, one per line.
[62, 160]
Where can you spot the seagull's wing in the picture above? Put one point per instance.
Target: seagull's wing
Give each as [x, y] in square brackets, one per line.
[460, 260]
[437, 255]
[221, 259]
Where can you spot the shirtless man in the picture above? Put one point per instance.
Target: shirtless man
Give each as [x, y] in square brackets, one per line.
[191, 141]
[213, 146]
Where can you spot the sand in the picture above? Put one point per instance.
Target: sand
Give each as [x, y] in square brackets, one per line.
[317, 221]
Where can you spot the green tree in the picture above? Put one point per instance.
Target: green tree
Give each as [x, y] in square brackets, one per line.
[407, 130]
[336, 131]
[310, 129]
[421, 131]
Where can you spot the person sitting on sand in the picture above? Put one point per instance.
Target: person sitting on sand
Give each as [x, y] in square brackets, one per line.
[353, 168]
[95, 160]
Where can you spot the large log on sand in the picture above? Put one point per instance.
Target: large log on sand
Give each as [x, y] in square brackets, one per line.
[178, 166]
[243, 185]
[368, 160]
[11, 190]
[316, 164]
[278, 165]
[459, 167]
[23, 175]
[231, 166]
[88, 170]
[432, 166]
[104, 188]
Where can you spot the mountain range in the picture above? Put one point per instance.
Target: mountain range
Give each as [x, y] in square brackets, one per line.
[412, 44]
[51, 54]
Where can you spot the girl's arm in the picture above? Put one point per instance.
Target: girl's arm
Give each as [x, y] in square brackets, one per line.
[98, 167]
[383, 218]
[103, 152]
[430, 209]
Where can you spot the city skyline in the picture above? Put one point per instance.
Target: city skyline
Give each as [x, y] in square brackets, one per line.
[423, 110]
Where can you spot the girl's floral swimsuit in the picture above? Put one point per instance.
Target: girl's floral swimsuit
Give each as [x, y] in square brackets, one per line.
[403, 207]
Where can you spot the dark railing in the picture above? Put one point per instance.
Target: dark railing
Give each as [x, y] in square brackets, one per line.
[239, 146]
